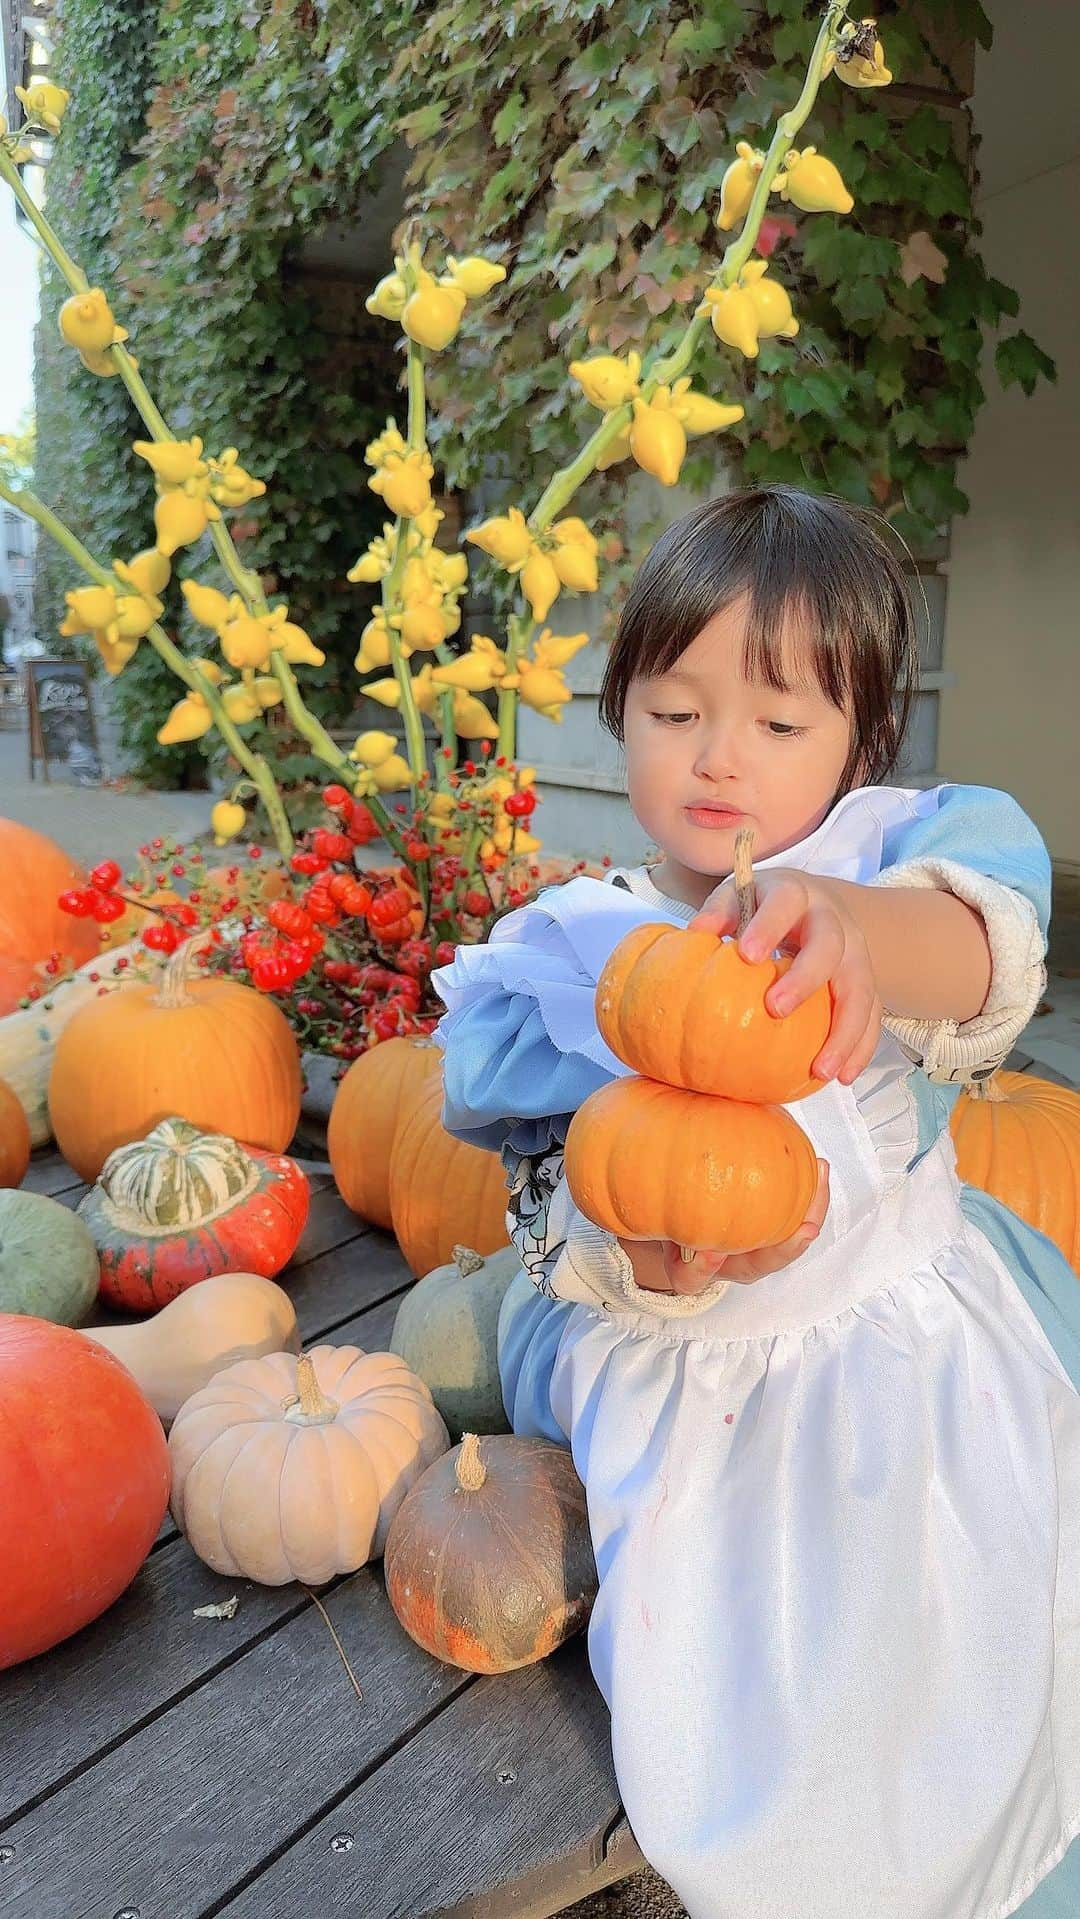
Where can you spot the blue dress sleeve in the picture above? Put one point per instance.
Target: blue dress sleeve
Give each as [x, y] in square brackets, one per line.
[521, 1049]
[982, 829]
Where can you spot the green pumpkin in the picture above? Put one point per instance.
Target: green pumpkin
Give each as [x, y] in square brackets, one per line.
[48, 1261]
[446, 1332]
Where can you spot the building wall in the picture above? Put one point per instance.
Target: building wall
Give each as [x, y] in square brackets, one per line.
[17, 583]
[1013, 629]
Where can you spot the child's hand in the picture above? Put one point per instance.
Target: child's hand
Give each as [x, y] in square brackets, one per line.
[797, 911]
[659, 1266]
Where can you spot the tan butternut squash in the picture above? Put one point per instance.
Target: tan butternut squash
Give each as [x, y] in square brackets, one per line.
[230, 1317]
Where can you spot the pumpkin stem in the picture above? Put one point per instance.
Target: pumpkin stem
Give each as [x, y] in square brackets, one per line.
[309, 1405]
[466, 1260]
[744, 878]
[469, 1466]
[176, 978]
[986, 1089]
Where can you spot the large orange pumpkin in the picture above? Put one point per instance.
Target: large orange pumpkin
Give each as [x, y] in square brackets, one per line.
[647, 1161]
[684, 1007]
[84, 1482]
[442, 1192]
[206, 1050]
[1018, 1138]
[375, 1095]
[32, 926]
[14, 1138]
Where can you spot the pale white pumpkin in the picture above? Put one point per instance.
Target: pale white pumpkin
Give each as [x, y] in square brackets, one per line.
[222, 1320]
[290, 1468]
[28, 1038]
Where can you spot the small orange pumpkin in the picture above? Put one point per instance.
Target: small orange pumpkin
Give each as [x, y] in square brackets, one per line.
[374, 1097]
[206, 1050]
[32, 925]
[442, 1192]
[1018, 1137]
[647, 1161]
[684, 1007]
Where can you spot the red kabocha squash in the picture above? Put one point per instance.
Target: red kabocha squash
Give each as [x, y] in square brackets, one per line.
[32, 924]
[489, 1564]
[169, 1210]
[217, 1053]
[84, 1483]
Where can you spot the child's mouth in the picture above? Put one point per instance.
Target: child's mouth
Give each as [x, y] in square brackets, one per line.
[714, 816]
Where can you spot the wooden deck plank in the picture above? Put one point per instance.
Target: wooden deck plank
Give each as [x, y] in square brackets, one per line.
[505, 1802]
[140, 1656]
[345, 1281]
[47, 1173]
[181, 1814]
[330, 1223]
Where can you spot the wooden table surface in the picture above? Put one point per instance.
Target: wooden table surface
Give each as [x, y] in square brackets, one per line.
[161, 1766]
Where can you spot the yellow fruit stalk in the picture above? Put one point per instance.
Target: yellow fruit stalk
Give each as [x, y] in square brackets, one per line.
[737, 186]
[658, 438]
[812, 182]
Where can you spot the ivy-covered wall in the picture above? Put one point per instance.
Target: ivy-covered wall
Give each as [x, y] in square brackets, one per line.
[581, 142]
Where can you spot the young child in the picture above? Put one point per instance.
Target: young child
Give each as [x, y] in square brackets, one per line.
[834, 1487]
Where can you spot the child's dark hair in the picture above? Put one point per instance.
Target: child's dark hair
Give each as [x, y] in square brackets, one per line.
[805, 555]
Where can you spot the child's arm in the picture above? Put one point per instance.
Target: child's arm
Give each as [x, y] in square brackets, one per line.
[946, 946]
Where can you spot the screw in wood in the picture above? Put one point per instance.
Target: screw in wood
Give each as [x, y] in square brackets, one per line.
[341, 1842]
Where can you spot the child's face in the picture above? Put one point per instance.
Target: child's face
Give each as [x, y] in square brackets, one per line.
[709, 751]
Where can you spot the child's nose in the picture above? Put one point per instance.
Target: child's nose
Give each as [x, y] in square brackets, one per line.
[717, 755]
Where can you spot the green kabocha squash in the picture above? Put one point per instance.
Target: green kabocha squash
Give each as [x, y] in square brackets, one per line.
[48, 1260]
[446, 1332]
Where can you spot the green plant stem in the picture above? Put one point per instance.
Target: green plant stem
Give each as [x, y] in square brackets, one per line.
[519, 629]
[564, 484]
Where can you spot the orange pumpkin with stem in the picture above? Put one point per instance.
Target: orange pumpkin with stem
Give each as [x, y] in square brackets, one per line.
[206, 1050]
[14, 1138]
[1018, 1137]
[32, 924]
[685, 1008]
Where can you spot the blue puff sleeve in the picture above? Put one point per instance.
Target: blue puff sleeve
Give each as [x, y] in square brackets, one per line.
[984, 830]
[520, 1043]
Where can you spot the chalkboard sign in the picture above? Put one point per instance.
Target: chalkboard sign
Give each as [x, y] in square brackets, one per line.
[62, 726]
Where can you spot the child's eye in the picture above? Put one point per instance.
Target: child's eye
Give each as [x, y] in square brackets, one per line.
[672, 719]
[780, 730]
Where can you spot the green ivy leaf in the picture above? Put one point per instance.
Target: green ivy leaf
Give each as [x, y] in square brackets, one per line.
[1021, 362]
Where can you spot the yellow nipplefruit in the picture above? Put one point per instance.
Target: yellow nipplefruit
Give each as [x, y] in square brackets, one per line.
[135, 615]
[392, 774]
[701, 414]
[246, 641]
[812, 182]
[207, 605]
[241, 704]
[189, 720]
[771, 302]
[226, 820]
[149, 572]
[472, 719]
[179, 520]
[422, 627]
[115, 653]
[374, 747]
[734, 318]
[737, 186]
[89, 607]
[404, 484]
[296, 646]
[861, 69]
[102, 364]
[432, 315]
[389, 297]
[471, 671]
[607, 382]
[44, 103]
[540, 583]
[658, 439]
[576, 567]
[506, 538]
[617, 450]
[174, 461]
[475, 276]
[86, 322]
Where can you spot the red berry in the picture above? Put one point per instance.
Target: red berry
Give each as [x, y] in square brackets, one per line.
[179, 870]
[121, 965]
[336, 798]
[385, 1025]
[331, 846]
[162, 938]
[307, 863]
[476, 903]
[289, 919]
[106, 907]
[156, 845]
[106, 875]
[254, 852]
[445, 952]
[519, 805]
[418, 850]
[77, 901]
[485, 747]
